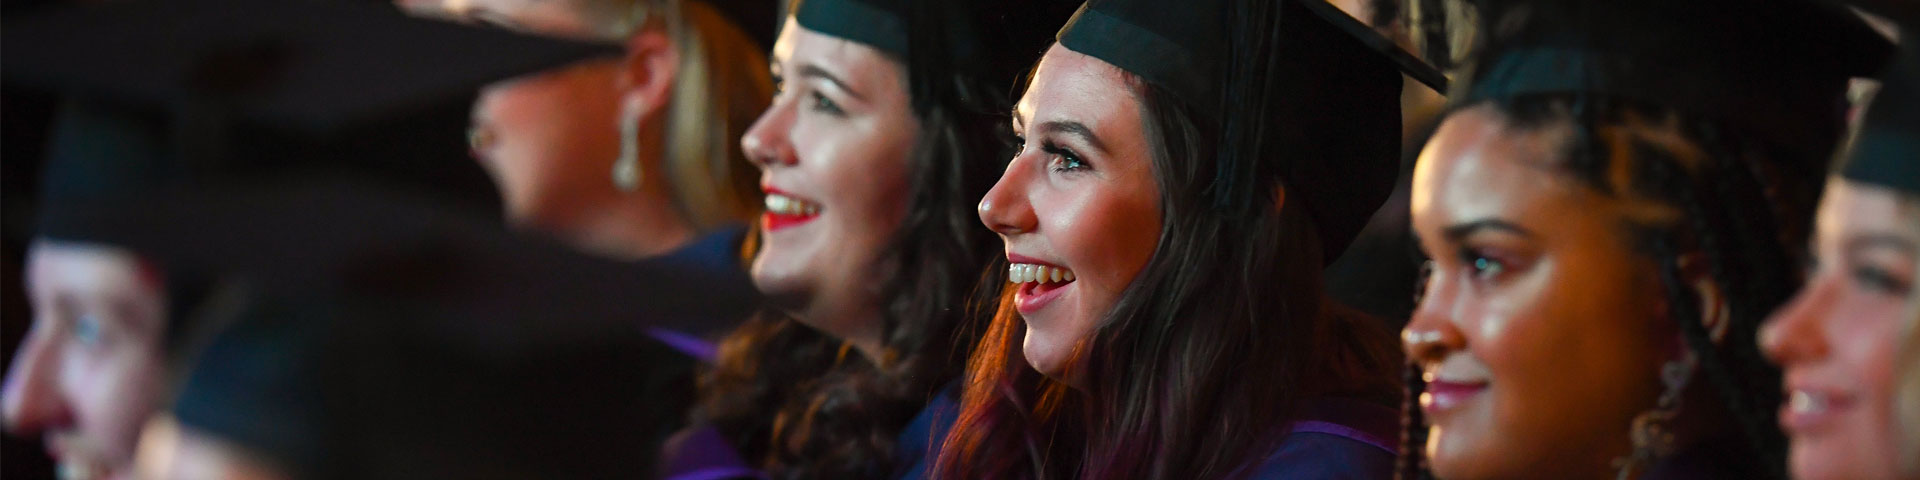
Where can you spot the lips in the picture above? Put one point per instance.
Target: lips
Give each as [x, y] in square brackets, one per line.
[785, 210]
[1037, 283]
[1811, 409]
[1445, 395]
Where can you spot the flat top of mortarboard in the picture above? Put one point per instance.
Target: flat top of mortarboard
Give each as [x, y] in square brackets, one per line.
[1186, 49]
[304, 64]
[1887, 150]
[352, 236]
[981, 40]
[1314, 104]
[1775, 66]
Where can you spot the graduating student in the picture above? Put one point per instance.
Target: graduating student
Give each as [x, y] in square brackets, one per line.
[631, 156]
[1846, 343]
[1186, 172]
[326, 204]
[1611, 208]
[889, 125]
[637, 155]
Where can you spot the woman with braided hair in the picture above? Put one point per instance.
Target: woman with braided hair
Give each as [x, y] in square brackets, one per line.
[1609, 214]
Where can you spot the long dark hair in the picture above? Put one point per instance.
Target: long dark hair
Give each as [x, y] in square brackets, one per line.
[1225, 290]
[802, 404]
[1740, 202]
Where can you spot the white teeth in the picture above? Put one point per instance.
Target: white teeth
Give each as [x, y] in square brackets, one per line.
[785, 205]
[1036, 273]
[1807, 402]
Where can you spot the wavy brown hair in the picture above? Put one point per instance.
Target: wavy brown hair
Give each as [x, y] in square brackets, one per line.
[802, 404]
[1231, 286]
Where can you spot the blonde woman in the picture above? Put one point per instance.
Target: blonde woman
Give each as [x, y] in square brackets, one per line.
[1850, 378]
[625, 157]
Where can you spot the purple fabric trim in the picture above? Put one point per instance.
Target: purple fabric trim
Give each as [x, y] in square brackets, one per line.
[696, 347]
[1330, 428]
[701, 453]
[716, 473]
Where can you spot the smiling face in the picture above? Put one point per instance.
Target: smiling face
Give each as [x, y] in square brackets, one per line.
[1079, 200]
[833, 151]
[1538, 332]
[89, 372]
[1836, 338]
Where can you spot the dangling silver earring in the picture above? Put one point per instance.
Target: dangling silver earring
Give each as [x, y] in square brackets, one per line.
[626, 167]
[1652, 433]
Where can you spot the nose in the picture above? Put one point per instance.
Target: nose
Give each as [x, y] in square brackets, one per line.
[1431, 333]
[1006, 209]
[766, 143]
[31, 401]
[1793, 333]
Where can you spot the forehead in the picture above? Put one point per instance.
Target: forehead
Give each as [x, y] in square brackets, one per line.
[1477, 167]
[849, 61]
[1852, 207]
[1071, 85]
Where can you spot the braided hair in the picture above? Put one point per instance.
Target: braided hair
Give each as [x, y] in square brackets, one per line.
[1740, 202]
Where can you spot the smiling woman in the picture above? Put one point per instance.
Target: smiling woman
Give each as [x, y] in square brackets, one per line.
[1166, 223]
[1850, 393]
[1608, 225]
[888, 125]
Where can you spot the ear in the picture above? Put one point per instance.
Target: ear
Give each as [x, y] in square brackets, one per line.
[1279, 196]
[1714, 313]
[647, 73]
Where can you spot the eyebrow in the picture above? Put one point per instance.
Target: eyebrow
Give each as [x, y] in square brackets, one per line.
[1460, 231]
[815, 71]
[1069, 127]
[1884, 240]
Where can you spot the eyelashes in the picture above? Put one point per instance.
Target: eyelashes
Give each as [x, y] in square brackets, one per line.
[1059, 158]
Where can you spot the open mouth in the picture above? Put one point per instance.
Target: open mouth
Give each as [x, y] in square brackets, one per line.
[1037, 284]
[1809, 409]
[786, 211]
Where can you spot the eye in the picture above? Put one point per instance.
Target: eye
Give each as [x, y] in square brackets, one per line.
[86, 329]
[1881, 281]
[1483, 266]
[820, 103]
[1420, 281]
[1064, 160]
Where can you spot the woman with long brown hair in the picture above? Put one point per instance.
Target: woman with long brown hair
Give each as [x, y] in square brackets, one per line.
[889, 123]
[1185, 175]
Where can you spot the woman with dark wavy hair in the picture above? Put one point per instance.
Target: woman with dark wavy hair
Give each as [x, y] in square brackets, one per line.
[889, 123]
[1186, 174]
[1609, 208]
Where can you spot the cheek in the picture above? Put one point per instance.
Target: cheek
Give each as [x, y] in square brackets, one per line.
[546, 125]
[862, 175]
[1104, 236]
[113, 392]
[1864, 338]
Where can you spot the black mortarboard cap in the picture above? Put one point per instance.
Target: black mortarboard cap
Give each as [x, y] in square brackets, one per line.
[952, 49]
[168, 91]
[1887, 150]
[315, 65]
[381, 333]
[1779, 68]
[1313, 100]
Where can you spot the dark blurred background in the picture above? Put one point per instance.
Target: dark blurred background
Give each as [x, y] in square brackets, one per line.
[24, 115]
